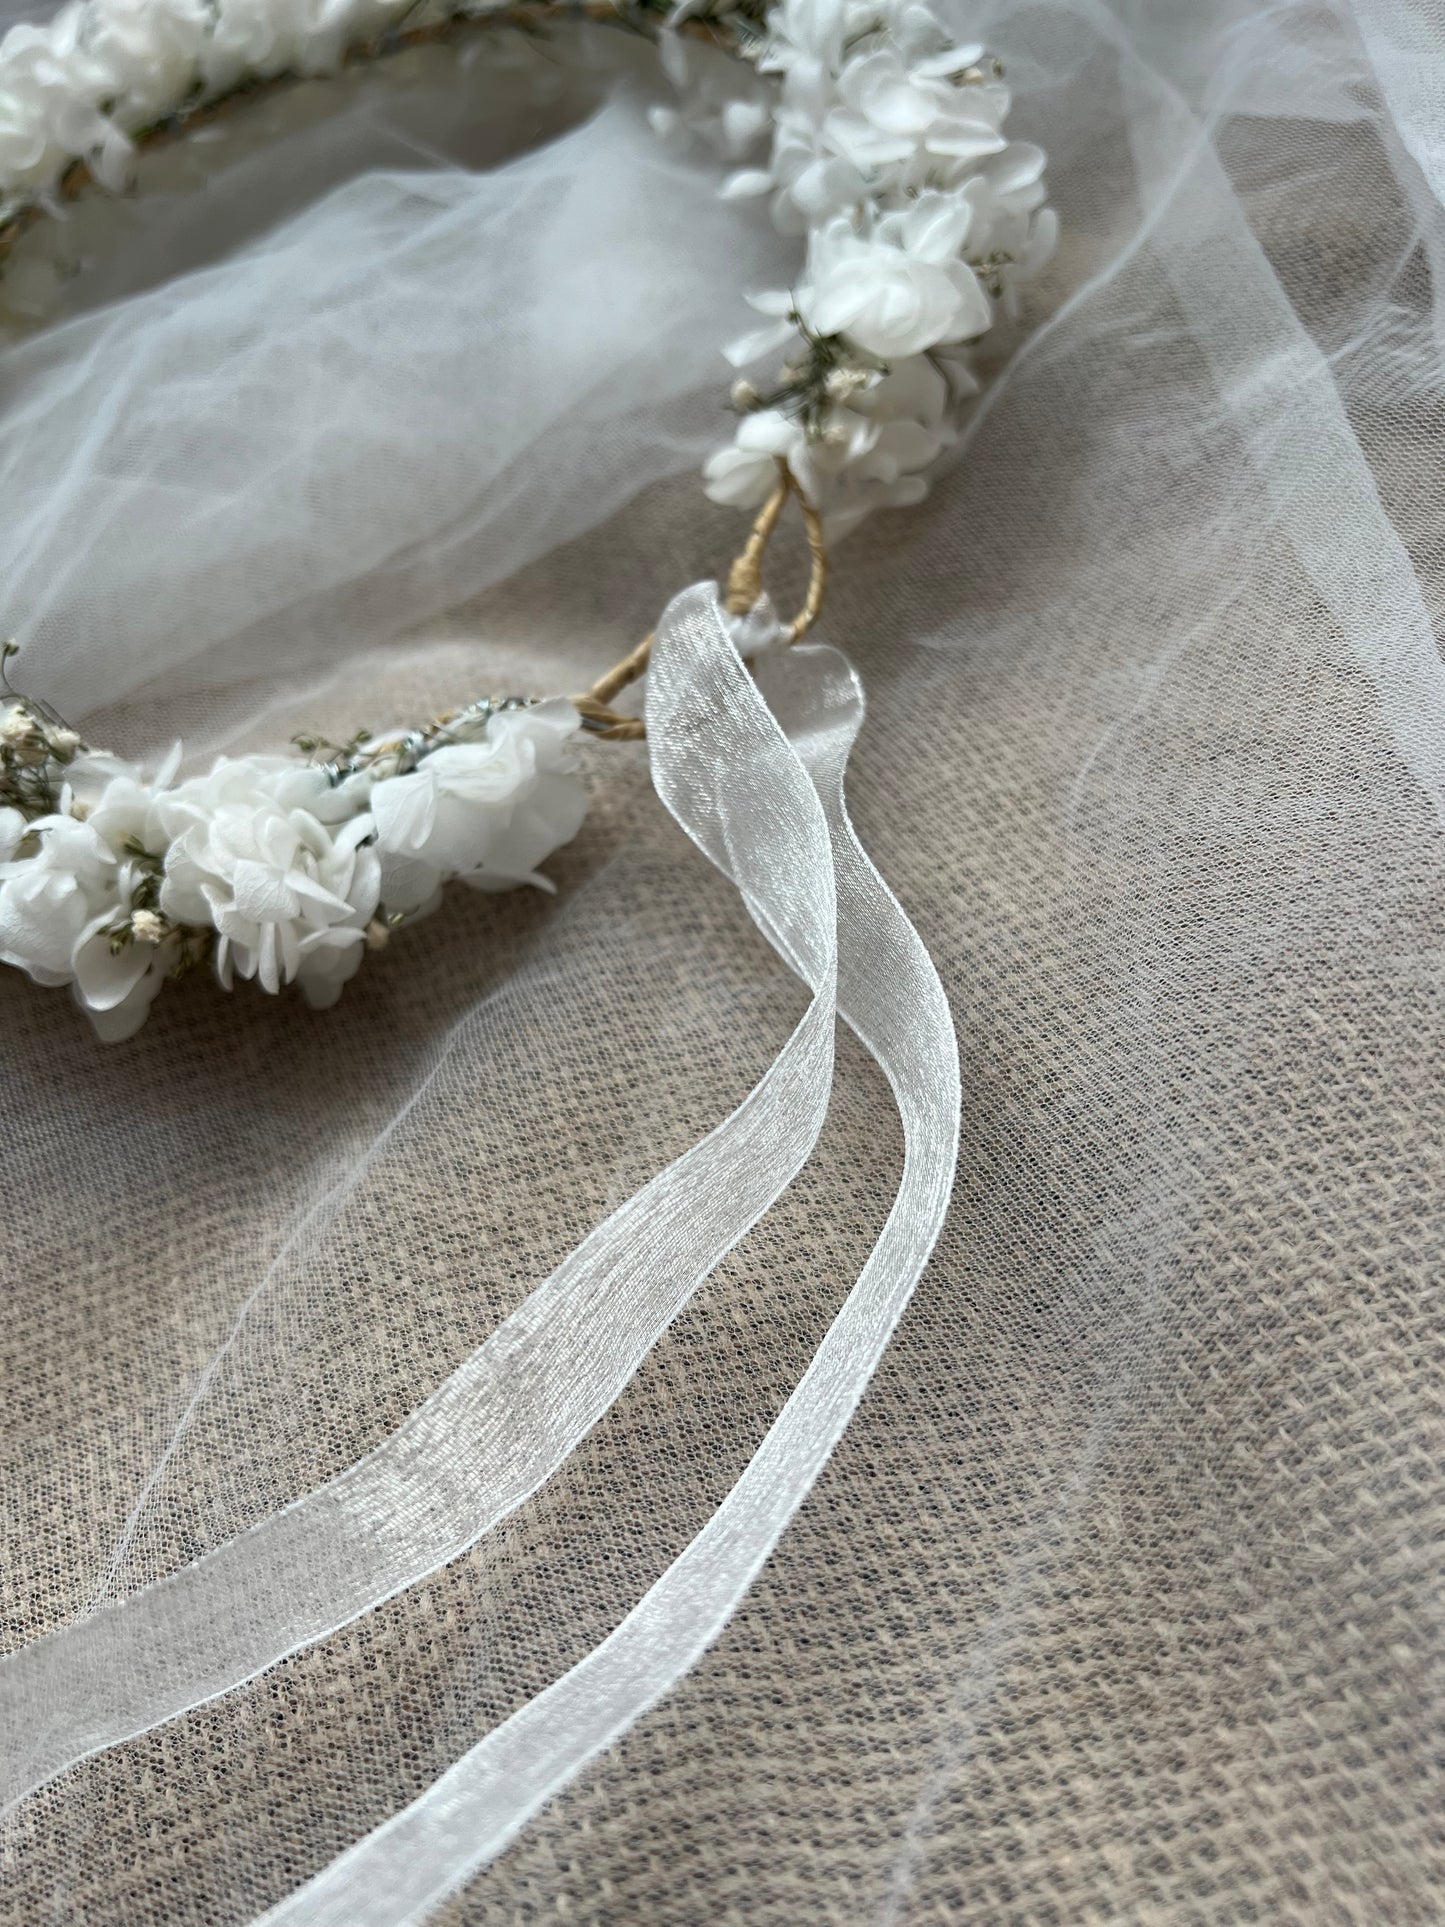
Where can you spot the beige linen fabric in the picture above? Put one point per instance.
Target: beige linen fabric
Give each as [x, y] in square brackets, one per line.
[1119, 1600]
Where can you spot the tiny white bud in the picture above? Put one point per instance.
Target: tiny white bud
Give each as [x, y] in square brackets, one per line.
[377, 934]
[744, 395]
[148, 926]
[843, 383]
[23, 736]
[63, 744]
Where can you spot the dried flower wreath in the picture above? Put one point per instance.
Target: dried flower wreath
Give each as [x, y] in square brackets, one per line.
[878, 140]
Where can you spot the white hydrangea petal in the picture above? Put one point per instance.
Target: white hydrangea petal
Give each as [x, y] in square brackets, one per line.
[739, 477]
[746, 184]
[832, 308]
[40, 920]
[974, 310]
[863, 144]
[743, 122]
[168, 767]
[409, 887]
[118, 1022]
[261, 894]
[1043, 240]
[551, 814]
[404, 808]
[935, 227]
[13, 828]
[758, 342]
[964, 140]
[329, 960]
[953, 60]
[769, 432]
[105, 977]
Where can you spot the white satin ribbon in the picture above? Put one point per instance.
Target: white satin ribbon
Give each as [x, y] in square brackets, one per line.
[506, 1418]
[890, 993]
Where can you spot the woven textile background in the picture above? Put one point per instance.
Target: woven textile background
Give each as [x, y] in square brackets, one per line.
[1119, 1601]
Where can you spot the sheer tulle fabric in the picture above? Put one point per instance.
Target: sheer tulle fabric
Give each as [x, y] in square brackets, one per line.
[394, 400]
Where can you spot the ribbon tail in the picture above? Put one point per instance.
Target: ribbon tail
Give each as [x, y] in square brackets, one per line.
[891, 995]
[509, 1415]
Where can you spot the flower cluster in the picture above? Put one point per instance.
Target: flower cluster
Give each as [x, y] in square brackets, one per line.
[77, 86]
[268, 867]
[81, 85]
[922, 220]
[885, 149]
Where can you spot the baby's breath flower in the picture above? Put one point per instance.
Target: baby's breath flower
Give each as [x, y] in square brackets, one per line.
[147, 926]
[844, 382]
[22, 736]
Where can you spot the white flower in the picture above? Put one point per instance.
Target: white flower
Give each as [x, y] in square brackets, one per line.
[724, 110]
[119, 976]
[69, 889]
[1010, 224]
[923, 39]
[70, 87]
[49, 898]
[147, 51]
[866, 450]
[806, 40]
[745, 473]
[1007, 188]
[62, 911]
[264, 37]
[907, 412]
[781, 329]
[812, 183]
[899, 288]
[276, 859]
[837, 436]
[487, 811]
[51, 89]
[890, 113]
[115, 801]
[913, 391]
[13, 831]
[889, 152]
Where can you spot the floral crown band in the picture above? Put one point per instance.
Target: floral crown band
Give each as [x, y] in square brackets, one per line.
[872, 135]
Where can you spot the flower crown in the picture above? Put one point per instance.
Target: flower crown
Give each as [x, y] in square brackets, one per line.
[876, 139]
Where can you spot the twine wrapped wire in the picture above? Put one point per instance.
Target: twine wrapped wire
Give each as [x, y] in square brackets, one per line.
[745, 586]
